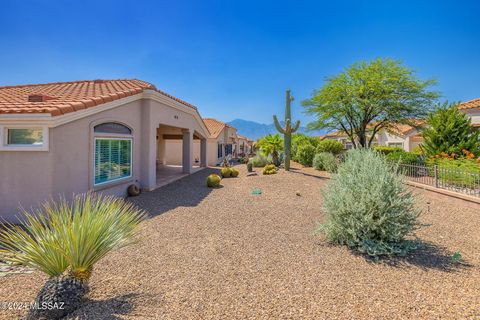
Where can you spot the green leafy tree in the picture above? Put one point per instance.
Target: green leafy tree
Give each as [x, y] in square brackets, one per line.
[368, 97]
[271, 145]
[448, 130]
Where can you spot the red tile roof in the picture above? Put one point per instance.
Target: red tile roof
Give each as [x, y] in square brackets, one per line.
[214, 126]
[475, 103]
[64, 97]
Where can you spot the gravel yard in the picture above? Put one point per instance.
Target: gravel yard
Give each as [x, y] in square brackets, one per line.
[228, 254]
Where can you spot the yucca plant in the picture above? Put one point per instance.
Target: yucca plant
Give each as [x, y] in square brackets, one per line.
[65, 240]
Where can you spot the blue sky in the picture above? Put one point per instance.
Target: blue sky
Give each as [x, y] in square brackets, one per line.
[234, 59]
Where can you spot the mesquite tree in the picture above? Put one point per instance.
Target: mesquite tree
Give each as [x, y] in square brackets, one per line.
[288, 130]
[368, 97]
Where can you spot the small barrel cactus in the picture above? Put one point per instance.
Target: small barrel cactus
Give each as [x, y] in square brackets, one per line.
[269, 169]
[213, 181]
[250, 167]
[226, 172]
[234, 172]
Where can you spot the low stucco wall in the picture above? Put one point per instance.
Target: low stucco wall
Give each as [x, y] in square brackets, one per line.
[173, 152]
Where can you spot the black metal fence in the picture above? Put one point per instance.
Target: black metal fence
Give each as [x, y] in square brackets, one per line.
[454, 179]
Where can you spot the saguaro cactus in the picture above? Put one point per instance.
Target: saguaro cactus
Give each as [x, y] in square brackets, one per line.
[288, 130]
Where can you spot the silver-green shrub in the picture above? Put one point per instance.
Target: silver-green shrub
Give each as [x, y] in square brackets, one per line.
[368, 207]
[260, 160]
[325, 161]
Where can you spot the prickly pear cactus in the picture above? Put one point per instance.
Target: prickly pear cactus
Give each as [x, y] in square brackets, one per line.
[288, 130]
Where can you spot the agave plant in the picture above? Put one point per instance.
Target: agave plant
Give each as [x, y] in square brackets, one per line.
[65, 240]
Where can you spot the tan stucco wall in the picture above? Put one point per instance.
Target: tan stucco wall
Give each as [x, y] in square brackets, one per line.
[173, 152]
[29, 178]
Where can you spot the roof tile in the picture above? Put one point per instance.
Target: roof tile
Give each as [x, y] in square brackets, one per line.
[66, 97]
[475, 103]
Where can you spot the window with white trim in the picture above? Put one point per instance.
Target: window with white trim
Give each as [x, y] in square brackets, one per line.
[23, 138]
[395, 144]
[113, 153]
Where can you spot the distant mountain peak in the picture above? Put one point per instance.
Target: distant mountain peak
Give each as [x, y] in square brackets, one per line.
[255, 130]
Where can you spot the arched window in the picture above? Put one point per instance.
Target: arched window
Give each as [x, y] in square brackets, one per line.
[113, 152]
[112, 127]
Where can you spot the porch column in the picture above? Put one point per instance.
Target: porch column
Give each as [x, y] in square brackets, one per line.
[148, 154]
[187, 151]
[203, 152]
[161, 156]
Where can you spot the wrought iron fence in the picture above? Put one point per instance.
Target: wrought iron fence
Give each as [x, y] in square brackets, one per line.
[450, 178]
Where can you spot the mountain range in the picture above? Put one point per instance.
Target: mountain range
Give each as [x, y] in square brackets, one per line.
[255, 130]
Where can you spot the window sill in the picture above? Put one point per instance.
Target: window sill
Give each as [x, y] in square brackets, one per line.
[23, 148]
[114, 183]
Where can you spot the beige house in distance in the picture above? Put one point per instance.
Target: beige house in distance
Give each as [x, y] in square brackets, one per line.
[401, 136]
[472, 109]
[98, 135]
[242, 145]
[408, 137]
[222, 141]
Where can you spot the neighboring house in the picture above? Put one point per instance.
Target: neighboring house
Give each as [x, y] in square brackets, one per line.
[405, 136]
[472, 109]
[98, 135]
[401, 136]
[250, 146]
[242, 145]
[222, 140]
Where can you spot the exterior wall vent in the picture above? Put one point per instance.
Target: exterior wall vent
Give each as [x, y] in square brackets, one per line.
[39, 98]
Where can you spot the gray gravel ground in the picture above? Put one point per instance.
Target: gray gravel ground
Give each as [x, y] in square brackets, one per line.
[228, 254]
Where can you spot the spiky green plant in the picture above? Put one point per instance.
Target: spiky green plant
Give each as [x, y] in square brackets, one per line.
[270, 146]
[288, 130]
[66, 239]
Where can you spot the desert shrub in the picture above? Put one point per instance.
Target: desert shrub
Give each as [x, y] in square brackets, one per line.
[386, 149]
[234, 172]
[65, 240]
[226, 172]
[325, 161]
[300, 139]
[368, 207]
[269, 169]
[249, 167]
[213, 181]
[259, 160]
[305, 155]
[332, 146]
[403, 157]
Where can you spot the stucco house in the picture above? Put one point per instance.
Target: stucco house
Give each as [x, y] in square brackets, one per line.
[222, 141]
[472, 109]
[101, 135]
[401, 135]
[408, 137]
[242, 145]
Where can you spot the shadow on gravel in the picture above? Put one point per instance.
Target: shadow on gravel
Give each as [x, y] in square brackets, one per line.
[109, 309]
[299, 171]
[186, 192]
[427, 256]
